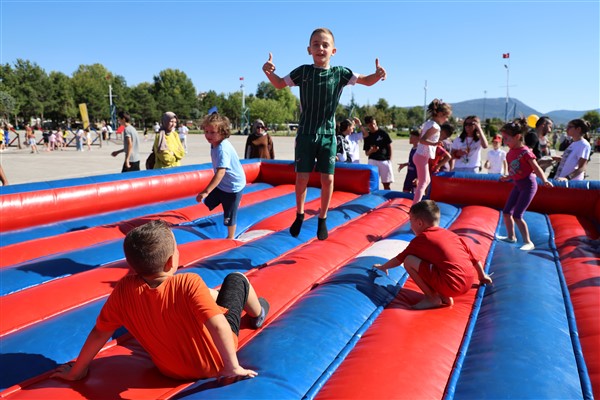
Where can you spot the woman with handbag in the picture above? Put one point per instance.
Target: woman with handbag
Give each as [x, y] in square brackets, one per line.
[168, 150]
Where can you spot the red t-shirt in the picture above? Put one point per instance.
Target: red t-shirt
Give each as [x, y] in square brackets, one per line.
[518, 162]
[450, 260]
[168, 321]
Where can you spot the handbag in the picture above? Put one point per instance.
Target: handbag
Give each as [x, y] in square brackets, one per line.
[150, 161]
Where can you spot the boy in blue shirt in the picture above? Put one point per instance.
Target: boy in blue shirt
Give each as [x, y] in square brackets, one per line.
[229, 180]
[321, 86]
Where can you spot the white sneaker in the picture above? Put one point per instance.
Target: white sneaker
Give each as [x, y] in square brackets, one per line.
[528, 246]
[507, 239]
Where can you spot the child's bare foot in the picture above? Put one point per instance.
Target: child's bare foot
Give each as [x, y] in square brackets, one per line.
[447, 301]
[428, 303]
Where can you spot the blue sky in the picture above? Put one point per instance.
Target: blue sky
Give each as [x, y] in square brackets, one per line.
[456, 46]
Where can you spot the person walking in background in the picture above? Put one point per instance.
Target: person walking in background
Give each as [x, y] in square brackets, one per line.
[30, 137]
[378, 149]
[439, 112]
[131, 146]
[466, 149]
[537, 141]
[167, 147]
[321, 86]
[496, 158]
[259, 143]
[183, 132]
[522, 169]
[575, 158]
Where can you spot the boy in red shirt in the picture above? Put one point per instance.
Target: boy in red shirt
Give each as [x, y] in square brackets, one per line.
[155, 306]
[438, 260]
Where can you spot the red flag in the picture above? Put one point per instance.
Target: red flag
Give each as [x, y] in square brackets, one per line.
[241, 78]
[506, 55]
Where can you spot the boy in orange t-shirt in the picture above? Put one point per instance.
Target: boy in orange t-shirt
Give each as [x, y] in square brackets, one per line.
[438, 260]
[155, 305]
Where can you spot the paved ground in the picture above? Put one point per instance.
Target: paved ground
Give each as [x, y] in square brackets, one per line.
[21, 166]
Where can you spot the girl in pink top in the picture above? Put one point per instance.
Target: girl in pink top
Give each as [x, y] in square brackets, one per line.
[522, 168]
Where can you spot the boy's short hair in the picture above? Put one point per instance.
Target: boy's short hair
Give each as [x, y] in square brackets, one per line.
[124, 116]
[321, 30]
[415, 132]
[221, 122]
[426, 210]
[148, 247]
[448, 128]
[369, 119]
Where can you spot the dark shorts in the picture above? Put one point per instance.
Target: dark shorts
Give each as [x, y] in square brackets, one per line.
[230, 202]
[233, 295]
[311, 150]
[133, 166]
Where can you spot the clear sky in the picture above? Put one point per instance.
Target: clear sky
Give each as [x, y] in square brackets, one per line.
[456, 46]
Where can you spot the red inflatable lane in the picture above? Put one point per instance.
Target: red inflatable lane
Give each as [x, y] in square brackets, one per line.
[125, 370]
[24, 251]
[578, 246]
[410, 354]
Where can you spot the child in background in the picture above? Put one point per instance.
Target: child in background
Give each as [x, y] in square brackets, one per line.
[30, 135]
[446, 132]
[229, 180]
[442, 158]
[439, 112]
[354, 139]
[438, 260]
[321, 86]
[522, 169]
[342, 143]
[411, 170]
[574, 160]
[189, 330]
[496, 158]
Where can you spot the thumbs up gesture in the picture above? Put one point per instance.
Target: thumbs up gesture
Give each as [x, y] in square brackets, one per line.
[379, 70]
[269, 67]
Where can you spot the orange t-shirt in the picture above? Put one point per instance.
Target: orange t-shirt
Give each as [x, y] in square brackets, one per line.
[168, 321]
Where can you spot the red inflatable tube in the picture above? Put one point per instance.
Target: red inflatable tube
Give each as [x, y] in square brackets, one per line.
[411, 353]
[581, 268]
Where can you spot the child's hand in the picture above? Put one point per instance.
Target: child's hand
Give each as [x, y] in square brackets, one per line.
[548, 184]
[504, 178]
[65, 372]
[201, 196]
[401, 165]
[379, 70]
[269, 67]
[485, 280]
[378, 266]
[238, 372]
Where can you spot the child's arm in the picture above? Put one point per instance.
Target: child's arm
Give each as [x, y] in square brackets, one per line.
[214, 182]
[94, 342]
[538, 171]
[220, 331]
[391, 263]
[504, 167]
[487, 164]
[269, 70]
[374, 77]
[425, 138]
[484, 279]
[446, 157]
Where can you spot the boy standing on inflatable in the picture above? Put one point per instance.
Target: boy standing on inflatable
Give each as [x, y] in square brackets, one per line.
[321, 86]
[437, 260]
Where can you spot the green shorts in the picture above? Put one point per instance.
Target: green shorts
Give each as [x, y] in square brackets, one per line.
[315, 153]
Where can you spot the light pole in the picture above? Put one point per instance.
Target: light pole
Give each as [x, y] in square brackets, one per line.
[484, 98]
[506, 105]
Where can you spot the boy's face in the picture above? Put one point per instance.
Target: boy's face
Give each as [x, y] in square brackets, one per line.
[321, 48]
[413, 139]
[373, 126]
[212, 134]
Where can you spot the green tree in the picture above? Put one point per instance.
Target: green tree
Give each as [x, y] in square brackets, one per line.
[29, 88]
[269, 111]
[208, 100]
[7, 105]
[174, 91]
[91, 86]
[61, 100]
[143, 105]
[593, 117]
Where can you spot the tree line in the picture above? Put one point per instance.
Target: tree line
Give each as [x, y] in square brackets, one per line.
[28, 91]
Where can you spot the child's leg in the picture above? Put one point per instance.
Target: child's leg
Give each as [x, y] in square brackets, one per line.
[301, 184]
[231, 231]
[527, 190]
[432, 299]
[510, 228]
[326, 193]
[522, 225]
[422, 165]
[237, 295]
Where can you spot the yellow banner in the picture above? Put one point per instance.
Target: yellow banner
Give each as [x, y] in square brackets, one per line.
[84, 115]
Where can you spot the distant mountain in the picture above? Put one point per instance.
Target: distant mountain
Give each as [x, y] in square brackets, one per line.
[496, 108]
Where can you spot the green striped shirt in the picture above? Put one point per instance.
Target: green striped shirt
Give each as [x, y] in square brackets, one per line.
[320, 92]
